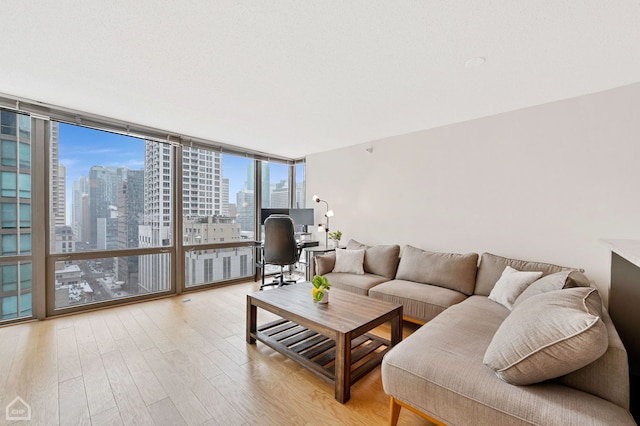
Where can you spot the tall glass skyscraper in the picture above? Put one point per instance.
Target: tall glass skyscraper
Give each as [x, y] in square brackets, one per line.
[15, 215]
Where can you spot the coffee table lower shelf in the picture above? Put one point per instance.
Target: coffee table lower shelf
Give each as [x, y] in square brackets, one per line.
[318, 352]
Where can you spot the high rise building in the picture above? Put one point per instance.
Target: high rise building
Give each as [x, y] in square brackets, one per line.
[156, 227]
[64, 240]
[202, 183]
[245, 200]
[130, 214]
[266, 182]
[15, 209]
[103, 196]
[224, 197]
[56, 181]
[80, 197]
[280, 195]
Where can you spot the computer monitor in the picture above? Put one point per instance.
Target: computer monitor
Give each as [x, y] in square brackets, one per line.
[302, 216]
[265, 213]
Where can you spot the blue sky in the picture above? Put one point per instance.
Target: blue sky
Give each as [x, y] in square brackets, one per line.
[80, 148]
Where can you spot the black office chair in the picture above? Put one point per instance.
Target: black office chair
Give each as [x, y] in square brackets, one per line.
[280, 247]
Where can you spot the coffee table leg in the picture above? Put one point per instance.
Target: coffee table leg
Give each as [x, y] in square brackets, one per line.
[343, 368]
[396, 330]
[251, 321]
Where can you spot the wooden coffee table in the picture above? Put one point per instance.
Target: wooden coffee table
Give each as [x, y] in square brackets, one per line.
[329, 339]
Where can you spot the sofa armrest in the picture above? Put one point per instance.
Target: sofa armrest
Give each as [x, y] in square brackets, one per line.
[608, 376]
[324, 263]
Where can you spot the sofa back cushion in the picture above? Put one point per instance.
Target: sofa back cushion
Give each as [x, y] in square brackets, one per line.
[379, 260]
[355, 245]
[492, 266]
[551, 282]
[449, 270]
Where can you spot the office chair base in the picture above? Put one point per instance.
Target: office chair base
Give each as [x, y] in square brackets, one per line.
[278, 282]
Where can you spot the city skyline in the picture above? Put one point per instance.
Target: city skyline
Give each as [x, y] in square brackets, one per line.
[82, 148]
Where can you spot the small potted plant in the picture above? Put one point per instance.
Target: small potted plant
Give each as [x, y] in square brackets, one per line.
[320, 290]
[335, 237]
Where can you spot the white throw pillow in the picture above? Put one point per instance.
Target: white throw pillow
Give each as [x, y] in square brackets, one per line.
[349, 261]
[511, 284]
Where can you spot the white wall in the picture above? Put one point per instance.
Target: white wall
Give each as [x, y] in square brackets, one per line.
[544, 183]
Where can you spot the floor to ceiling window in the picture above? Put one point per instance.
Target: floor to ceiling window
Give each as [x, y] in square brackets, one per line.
[15, 216]
[218, 212]
[300, 195]
[111, 218]
[275, 185]
[94, 217]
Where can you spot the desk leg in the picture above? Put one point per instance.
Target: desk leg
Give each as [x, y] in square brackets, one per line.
[307, 259]
[343, 368]
[252, 313]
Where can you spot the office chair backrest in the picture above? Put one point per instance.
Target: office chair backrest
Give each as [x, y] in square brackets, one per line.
[280, 247]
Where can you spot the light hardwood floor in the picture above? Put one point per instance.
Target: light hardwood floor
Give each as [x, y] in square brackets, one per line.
[173, 362]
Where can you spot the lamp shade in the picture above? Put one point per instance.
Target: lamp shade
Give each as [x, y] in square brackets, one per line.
[316, 198]
[329, 213]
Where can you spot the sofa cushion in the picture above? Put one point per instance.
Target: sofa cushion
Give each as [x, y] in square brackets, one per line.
[449, 270]
[382, 260]
[549, 335]
[419, 302]
[511, 284]
[349, 261]
[355, 245]
[324, 263]
[355, 283]
[379, 260]
[492, 266]
[557, 281]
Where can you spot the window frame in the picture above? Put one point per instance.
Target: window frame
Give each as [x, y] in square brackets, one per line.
[42, 260]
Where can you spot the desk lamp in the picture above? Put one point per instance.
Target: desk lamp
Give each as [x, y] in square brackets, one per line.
[322, 227]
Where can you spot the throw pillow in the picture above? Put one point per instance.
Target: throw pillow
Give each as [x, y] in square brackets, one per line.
[557, 281]
[511, 284]
[324, 263]
[349, 261]
[549, 335]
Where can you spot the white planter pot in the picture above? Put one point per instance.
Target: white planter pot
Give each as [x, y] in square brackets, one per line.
[325, 298]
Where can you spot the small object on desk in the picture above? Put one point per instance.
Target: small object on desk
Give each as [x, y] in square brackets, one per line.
[303, 236]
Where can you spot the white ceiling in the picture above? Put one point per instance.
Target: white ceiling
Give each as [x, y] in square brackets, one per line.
[294, 77]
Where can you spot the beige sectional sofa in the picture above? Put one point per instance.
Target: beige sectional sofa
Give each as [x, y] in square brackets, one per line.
[479, 361]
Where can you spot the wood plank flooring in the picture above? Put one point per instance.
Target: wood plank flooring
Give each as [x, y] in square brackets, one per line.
[173, 362]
